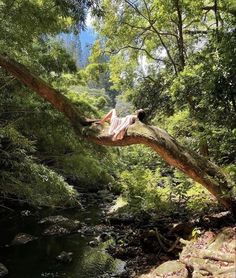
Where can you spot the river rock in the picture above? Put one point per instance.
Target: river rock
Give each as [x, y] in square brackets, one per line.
[3, 270]
[65, 257]
[217, 219]
[87, 231]
[60, 225]
[54, 219]
[22, 239]
[93, 243]
[170, 269]
[123, 218]
[104, 237]
[124, 252]
[26, 213]
[55, 230]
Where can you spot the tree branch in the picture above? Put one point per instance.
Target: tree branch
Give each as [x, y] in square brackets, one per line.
[136, 48]
[132, 5]
[48, 93]
[192, 164]
[166, 49]
[195, 32]
[156, 31]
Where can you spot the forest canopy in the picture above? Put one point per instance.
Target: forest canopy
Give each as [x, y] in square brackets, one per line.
[176, 59]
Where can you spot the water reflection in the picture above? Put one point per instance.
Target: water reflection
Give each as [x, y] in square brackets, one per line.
[38, 258]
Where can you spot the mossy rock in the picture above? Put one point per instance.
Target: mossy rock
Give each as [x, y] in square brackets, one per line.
[211, 255]
[174, 269]
[60, 225]
[170, 269]
[56, 230]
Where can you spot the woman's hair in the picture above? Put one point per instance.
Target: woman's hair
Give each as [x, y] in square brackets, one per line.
[141, 114]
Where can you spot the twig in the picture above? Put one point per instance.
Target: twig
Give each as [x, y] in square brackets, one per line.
[174, 245]
[159, 239]
[2, 206]
[8, 82]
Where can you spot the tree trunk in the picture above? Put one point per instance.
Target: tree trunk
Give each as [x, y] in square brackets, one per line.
[180, 39]
[192, 164]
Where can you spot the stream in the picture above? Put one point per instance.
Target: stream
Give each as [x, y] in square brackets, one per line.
[37, 258]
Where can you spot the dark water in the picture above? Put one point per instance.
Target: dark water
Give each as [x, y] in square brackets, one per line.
[37, 258]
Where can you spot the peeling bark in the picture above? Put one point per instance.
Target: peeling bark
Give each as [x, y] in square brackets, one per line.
[192, 164]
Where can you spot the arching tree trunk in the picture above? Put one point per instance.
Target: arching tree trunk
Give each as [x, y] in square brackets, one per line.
[192, 164]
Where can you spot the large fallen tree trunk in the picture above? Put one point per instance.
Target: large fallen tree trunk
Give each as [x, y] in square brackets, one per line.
[192, 164]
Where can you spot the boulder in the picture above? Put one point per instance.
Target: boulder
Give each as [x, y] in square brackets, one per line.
[54, 219]
[93, 243]
[60, 225]
[87, 231]
[212, 254]
[104, 237]
[169, 269]
[22, 238]
[55, 230]
[122, 218]
[65, 257]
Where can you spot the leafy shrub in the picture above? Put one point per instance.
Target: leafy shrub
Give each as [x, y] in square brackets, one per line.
[140, 189]
[199, 199]
[230, 171]
[24, 178]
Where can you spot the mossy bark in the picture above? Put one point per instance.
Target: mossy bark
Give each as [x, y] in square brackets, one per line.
[192, 164]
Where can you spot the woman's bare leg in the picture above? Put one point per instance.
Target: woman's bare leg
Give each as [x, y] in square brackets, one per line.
[107, 116]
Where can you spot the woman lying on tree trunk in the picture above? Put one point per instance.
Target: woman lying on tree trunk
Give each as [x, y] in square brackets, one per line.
[118, 126]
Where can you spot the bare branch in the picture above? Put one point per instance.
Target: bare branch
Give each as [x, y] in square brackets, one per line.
[180, 40]
[150, 78]
[136, 9]
[137, 27]
[195, 32]
[208, 8]
[166, 49]
[190, 23]
[136, 48]
[156, 31]
[149, 28]
[147, 9]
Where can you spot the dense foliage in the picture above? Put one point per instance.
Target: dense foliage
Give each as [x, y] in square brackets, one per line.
[176, 59]
[40, 154]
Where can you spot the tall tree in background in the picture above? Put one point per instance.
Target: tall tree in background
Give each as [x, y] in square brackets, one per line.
[176, 56]
[158, 38]
[23, 21]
